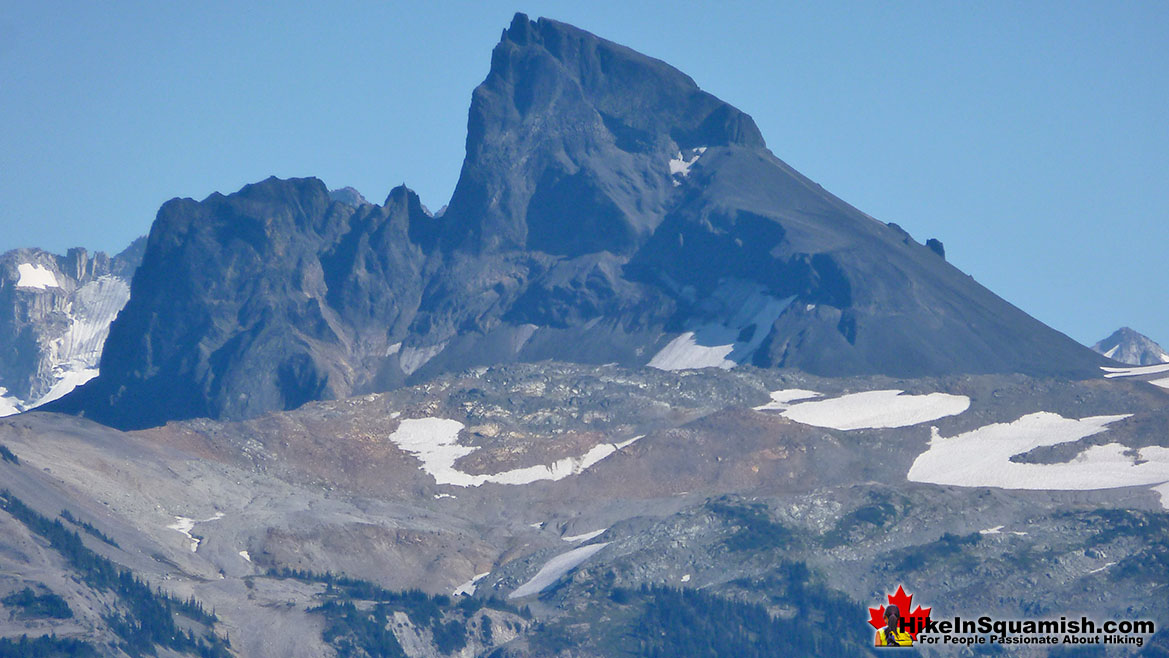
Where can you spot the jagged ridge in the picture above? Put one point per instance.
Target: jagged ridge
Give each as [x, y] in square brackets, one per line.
[608, 210]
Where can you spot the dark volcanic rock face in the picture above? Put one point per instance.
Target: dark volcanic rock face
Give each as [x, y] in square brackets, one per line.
[568, 141]
[261, 300]
[608, 210]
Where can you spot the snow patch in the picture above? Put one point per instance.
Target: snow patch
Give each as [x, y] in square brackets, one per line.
[66, 382]
[622, 444]
[522, 335]
[468, 588]
[585, 537]
[686, 578]
[184, 525]
[75, 354]
[245, 555]
[1109, 353]
[35, 276]
[877, 409]
[748, 314]
[781, 400]
[1134, 371]
[557, 470]
[93, 308]
[1106, 565]
[434, 441]
[1163, 491]
[998, 530]
[412, 358]
[9, 405]
[684, 353]
[1162, 382]
[555, 568]
[680, 164]
[982, 457]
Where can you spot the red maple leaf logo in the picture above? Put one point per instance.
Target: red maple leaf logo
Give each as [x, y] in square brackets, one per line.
[877, 617]
[914, 621]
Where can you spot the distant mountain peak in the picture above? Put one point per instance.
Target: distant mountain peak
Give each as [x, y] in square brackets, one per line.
[607, 211]
[55, 313]
[348, 196]
[1132, 347]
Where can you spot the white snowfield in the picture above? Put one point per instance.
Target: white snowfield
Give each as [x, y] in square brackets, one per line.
[717, 345]
[781, 400]
[1162, 382]
[555, 568]
[72, 356]
[184, 525]
[76, 354]
[91, 310]
[410, 359]
[67, 380]
[873, 409]
[982, 457]
[9, 405]
[684, 353]
[468, 588]
[998, 530]
[435, 442]
[1163, 491]
[680, 165]
[522, 335]
[35, 276]
[584, 537]
[1135, 371]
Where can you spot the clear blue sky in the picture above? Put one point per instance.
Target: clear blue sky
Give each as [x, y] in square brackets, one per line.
[1031, 137]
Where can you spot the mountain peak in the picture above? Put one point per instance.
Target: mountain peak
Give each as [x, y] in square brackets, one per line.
[569, 141]
[1128, 346]
[608, 211]
[520, 30]
[348, 196]
[648, 93]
